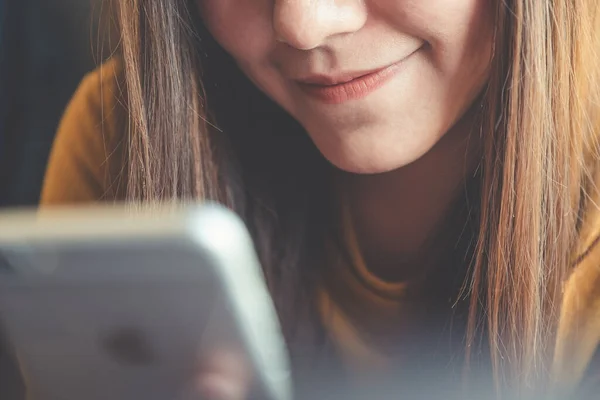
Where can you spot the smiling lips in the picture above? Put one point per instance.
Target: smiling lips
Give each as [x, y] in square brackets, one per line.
[339, 90]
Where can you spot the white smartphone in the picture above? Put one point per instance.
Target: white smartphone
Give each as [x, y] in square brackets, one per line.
[104, 303]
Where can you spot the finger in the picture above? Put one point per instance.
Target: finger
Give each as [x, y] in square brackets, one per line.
[225, 375]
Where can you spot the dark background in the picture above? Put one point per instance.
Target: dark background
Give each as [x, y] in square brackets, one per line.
[46, 46]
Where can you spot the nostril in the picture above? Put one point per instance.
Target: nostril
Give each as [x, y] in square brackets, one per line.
[298, 37]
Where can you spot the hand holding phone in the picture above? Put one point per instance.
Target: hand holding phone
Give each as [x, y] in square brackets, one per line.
[99, 303]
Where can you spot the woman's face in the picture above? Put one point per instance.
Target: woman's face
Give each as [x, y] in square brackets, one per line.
[375, 83]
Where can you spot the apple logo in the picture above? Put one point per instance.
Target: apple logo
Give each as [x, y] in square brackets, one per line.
[128, 346]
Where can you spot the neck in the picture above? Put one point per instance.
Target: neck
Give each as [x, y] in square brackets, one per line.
[397, 214]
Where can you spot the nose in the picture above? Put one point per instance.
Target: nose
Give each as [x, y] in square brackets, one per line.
[307, 24]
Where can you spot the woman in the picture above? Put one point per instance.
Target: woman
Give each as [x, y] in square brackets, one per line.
[419, 176]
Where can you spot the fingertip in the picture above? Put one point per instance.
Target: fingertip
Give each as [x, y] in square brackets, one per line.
[215, 386]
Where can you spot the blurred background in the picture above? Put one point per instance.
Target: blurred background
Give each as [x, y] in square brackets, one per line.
[46, 46]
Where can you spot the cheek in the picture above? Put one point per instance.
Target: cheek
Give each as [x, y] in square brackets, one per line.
[464, 35]
[241, 27]
[458, 31]
[470, 47]
[460, 34]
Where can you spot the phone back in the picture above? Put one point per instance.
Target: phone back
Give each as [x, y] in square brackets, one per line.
[106, 304]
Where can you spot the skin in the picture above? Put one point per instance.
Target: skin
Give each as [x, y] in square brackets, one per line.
[405, 148]
[225, 375]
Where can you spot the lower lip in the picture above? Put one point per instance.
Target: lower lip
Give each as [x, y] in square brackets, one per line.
[354, 89]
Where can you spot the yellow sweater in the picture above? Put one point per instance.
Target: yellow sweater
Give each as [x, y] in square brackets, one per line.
[88, 164]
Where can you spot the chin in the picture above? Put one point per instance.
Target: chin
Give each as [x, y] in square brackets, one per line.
[368, 163]
[374, 150]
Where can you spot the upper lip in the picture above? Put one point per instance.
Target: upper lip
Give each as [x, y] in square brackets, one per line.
[343, 77]
[335, 79]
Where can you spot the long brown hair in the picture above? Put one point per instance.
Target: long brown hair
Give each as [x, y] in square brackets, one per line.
[199, 130]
